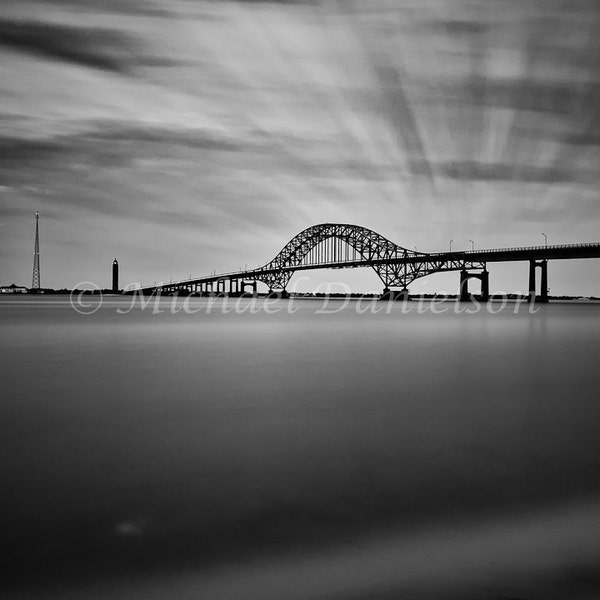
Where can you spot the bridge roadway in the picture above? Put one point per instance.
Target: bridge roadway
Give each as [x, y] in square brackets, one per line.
[464, 261]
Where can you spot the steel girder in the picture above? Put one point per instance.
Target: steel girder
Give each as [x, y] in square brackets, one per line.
[396, 266]
[387, 259]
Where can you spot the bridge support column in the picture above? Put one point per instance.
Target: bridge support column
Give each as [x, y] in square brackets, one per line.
[543, 296]
[464, 295]
[532, 265]
[485, 285]
[483, 276]
[242, 285]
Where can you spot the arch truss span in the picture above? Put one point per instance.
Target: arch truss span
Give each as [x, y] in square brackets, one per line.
[341, 245]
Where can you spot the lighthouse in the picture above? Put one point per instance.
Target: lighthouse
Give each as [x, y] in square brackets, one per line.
[115, 279]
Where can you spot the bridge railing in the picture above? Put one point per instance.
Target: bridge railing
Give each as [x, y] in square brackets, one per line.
[521, 248]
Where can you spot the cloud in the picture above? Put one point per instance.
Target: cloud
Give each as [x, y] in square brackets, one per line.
[19, 151]
[192, 138]
[185, 178]
[91, 47]
[591, 138]
[309, 2]
[151, 8]
[107, 144]
[478, 171]
[459, 27]
[526, 94]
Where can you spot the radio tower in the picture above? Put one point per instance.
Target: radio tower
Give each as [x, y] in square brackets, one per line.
[35, 284]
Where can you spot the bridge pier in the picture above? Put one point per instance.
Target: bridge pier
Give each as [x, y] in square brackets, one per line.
[543, 265]
[251, 284]
[388, 294]
[483, 276]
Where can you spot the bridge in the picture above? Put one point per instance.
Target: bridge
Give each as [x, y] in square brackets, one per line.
[344, 246]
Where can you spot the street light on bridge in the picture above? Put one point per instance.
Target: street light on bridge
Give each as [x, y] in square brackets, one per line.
[472, 244]
[545, 238]
[451, 245]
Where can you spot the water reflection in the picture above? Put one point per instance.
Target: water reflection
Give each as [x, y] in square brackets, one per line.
[302, 455]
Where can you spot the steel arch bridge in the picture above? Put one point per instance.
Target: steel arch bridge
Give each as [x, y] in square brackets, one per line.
[341, 245]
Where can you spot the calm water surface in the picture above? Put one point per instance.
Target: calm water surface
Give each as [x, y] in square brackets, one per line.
[402, 454]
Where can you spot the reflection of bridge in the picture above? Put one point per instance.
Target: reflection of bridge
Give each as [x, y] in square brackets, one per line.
[333, 245]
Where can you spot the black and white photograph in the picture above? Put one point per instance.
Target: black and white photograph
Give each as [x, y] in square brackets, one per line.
[300, 299]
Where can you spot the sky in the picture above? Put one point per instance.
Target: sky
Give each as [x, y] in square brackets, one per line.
[185, 136]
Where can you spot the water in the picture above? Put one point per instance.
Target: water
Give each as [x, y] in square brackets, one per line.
[340, 455]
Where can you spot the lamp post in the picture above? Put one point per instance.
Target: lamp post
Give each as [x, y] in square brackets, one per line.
[472, 244]
[545, 238]
[451, 245]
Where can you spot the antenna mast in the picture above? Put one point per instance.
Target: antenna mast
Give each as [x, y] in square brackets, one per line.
[35, 284]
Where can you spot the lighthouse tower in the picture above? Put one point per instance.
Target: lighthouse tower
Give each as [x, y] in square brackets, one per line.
[115, 278]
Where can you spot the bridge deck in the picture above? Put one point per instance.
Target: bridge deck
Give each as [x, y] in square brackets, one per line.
[527, 253]
[565, 251]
